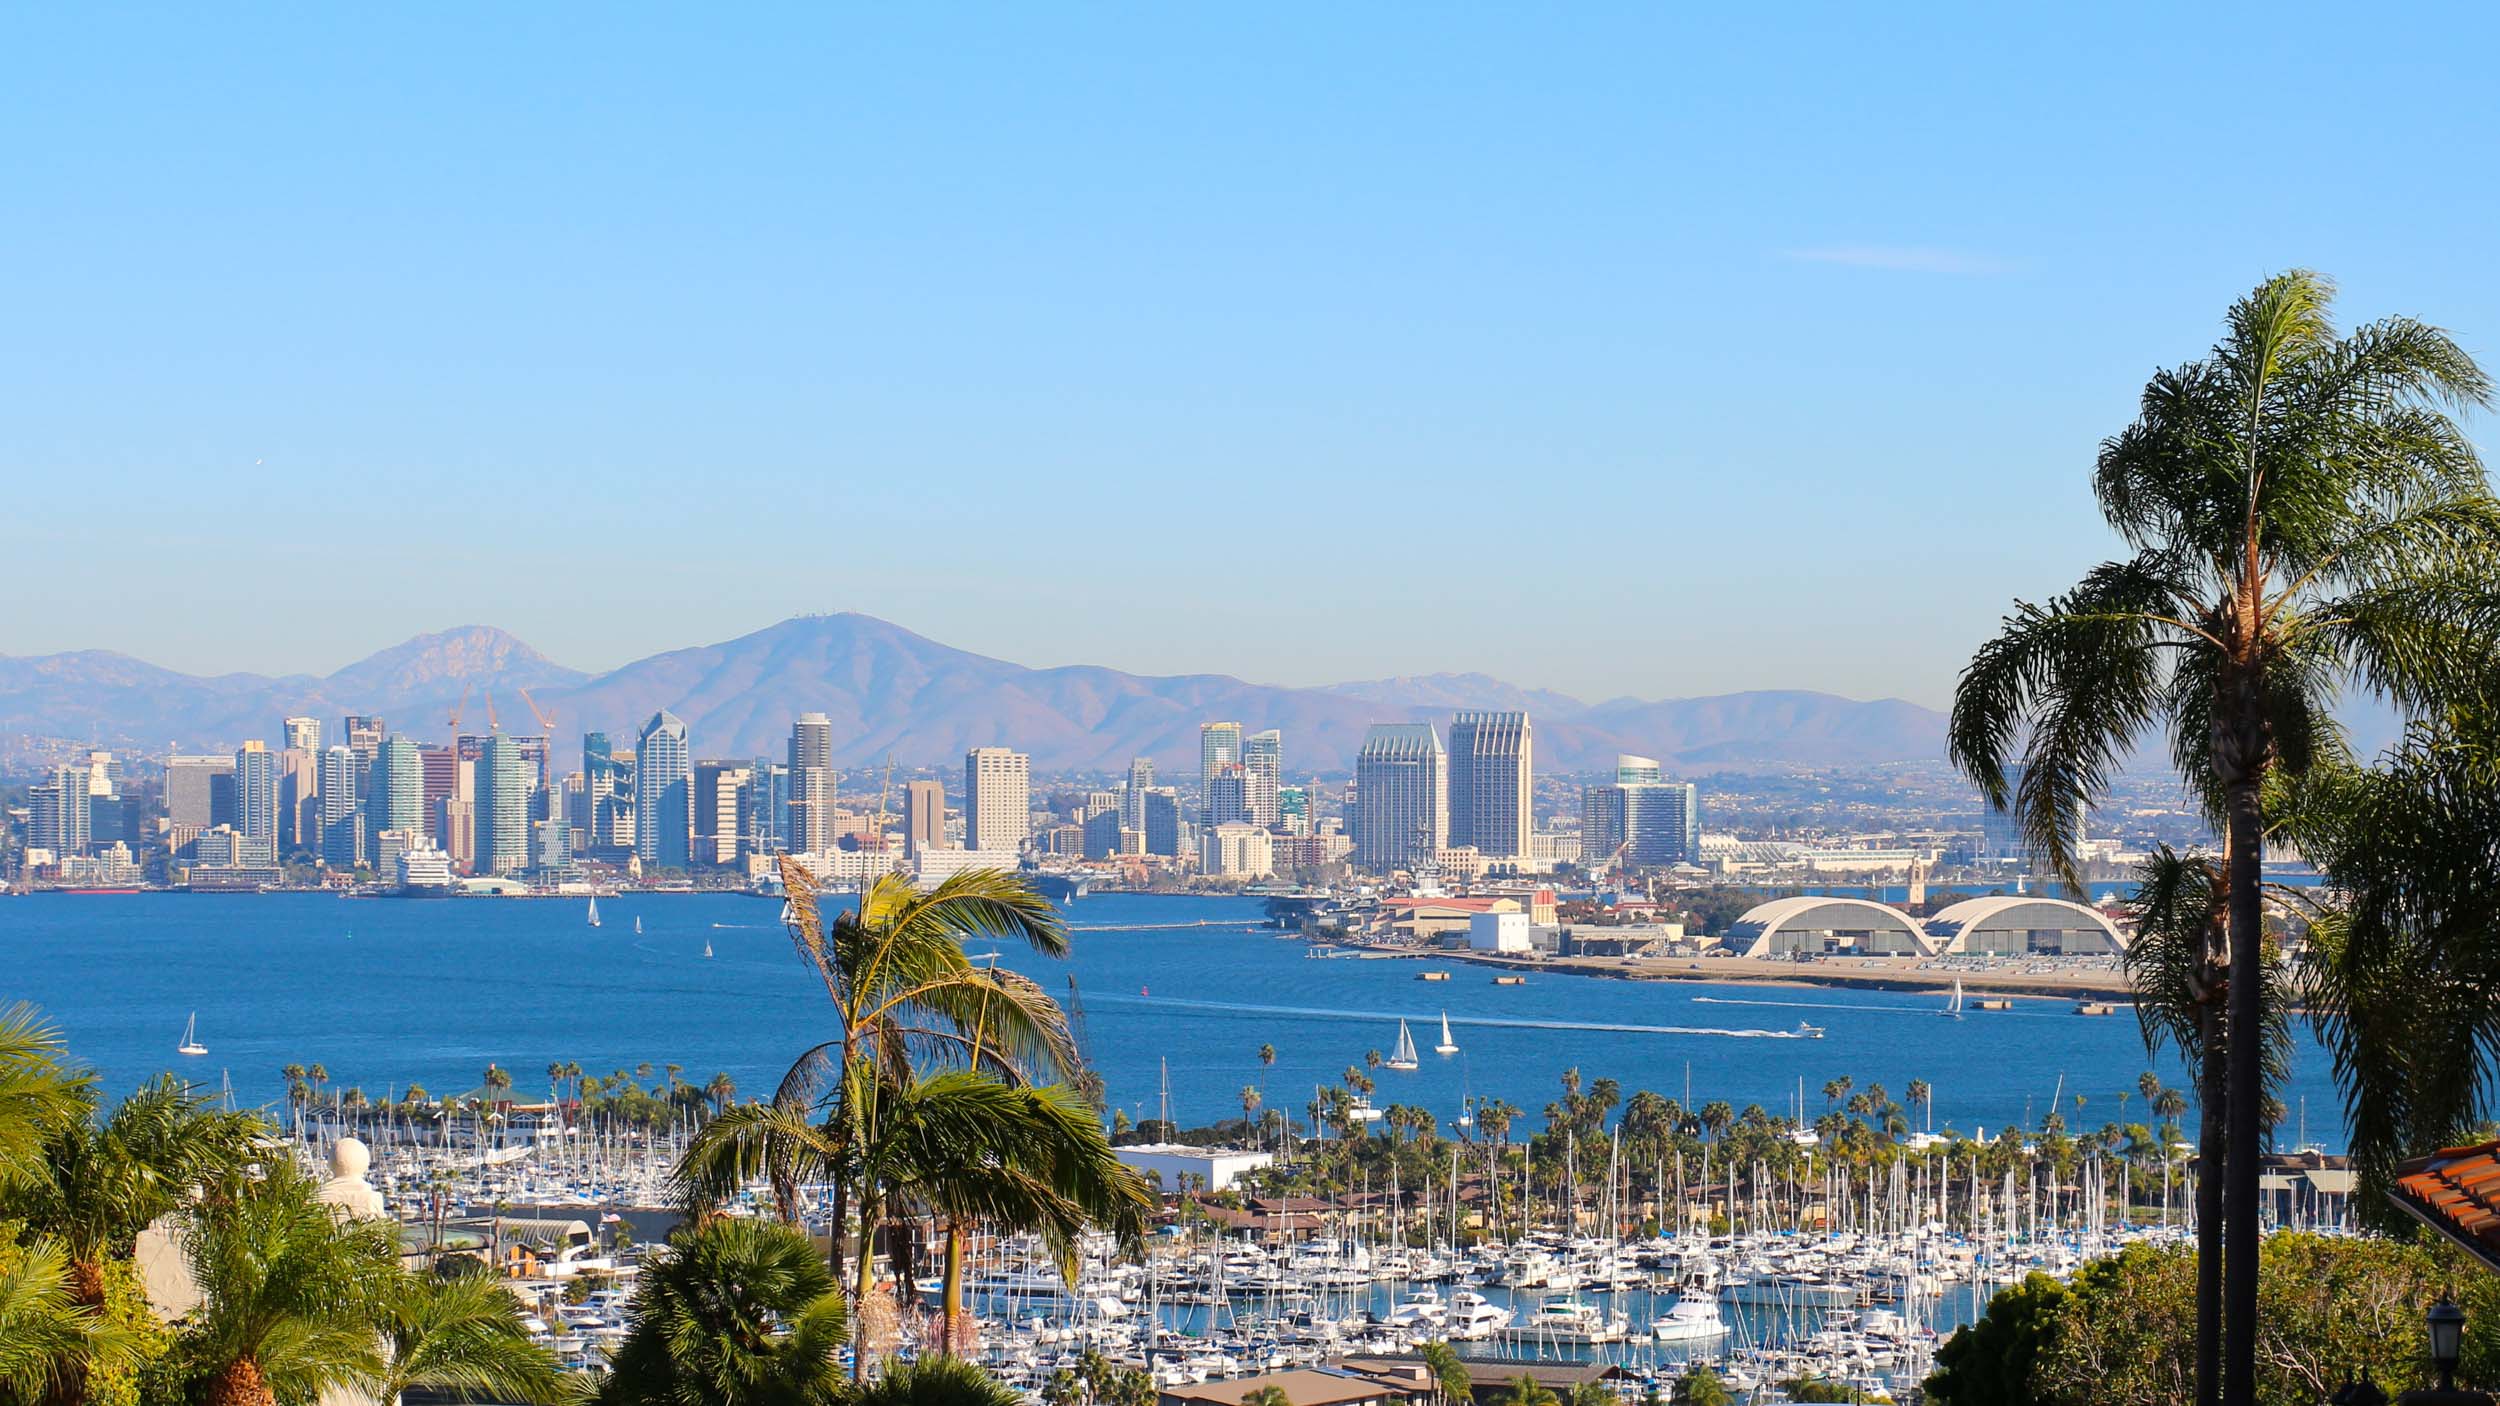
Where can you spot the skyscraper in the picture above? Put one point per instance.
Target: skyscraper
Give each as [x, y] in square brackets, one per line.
[342, 838]
[256, 799]
[1219, 745]
[364, 738]
[1401, 779]
[1648, 821]
[199, 793]
[663, 794]
[998, 798]
[1228, 795]
[57, 812]
[1163, 822]
[720, 791]
[1141, 779]
[811, 783]
[299, 802]
[441, 768]
[500, 792]
[1490, 785]
[1263, 768]
[395, 794]
[303, 735]
[766, 823]
[924, 816]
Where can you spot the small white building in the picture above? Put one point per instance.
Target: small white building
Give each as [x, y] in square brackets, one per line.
[1208, 1168]
[1237, 851]
[1499, 932]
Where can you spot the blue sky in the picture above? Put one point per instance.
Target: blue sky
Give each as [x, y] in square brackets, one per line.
[1611, 349]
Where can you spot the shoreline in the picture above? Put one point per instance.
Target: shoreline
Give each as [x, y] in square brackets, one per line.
[1865, 973]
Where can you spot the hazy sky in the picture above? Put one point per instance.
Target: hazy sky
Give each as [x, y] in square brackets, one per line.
[1644, 349]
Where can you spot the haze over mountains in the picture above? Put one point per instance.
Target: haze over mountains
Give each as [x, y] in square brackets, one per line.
[889, 690]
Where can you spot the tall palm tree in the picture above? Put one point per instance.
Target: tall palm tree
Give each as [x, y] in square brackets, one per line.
[289, 1293]
[2304, 514]
[741, 1312]
[460, 1334]
[49, 1341]
[1450, 1382]
[1528, 1391]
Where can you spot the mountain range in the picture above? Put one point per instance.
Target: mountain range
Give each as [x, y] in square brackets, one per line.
[890, 691]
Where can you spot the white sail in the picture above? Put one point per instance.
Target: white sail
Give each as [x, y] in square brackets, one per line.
[1447, 1046]
[1953, 1008]
[594, 910]
[638, 924]
[1403, 1056]
[707, 947]
[191, 1037]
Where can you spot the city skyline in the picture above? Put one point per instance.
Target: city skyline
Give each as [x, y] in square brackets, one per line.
[1826, 313]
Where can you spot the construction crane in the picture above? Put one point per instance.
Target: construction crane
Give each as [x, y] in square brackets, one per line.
[546, 720]
[884, 789]
[493, 723]
[458, 708]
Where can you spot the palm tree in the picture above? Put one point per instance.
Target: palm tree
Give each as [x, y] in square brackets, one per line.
[49, 1341]
[97, 1185]
[1920, 1094]
[945, 1381]
[1450, 1382]
[1526, 1390]
[39, 1092]
[1270, 1395]
[706, 1324]
[289, 1293]
[2404, 969]
[720, 1090]
[2303, 513]
[1699, 1386]
[1250, 1105]
[462, 1334]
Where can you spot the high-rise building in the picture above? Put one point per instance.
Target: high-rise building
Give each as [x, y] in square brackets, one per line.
[765, 824]
[811, 783]
[1491, 757]
[500, 784]
[1102, 834]
[663, 794]
[1219, 746]
[720, 794]
[256, 796]
[1228, 795]
[998, 798]
[394, 793]
[303, 735]
[924, 816]
[1263, 776]
[58, 813]
[1639, 820]
[1401, 780]
[440, 767]
[1163, 822]
[342, 837]
[364, 738]
[193, 799]
[1141, 779]
[299, 803]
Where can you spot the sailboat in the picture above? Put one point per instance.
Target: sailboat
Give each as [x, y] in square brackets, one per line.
[637, 925]
[1447, 1046]
[1953, 1008]
[191, 1037]
[1403, 1057]
[707, 947]
[594, 910]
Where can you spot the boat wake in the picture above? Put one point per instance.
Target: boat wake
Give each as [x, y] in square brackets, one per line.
[1507, 1022]
[1808, 1005]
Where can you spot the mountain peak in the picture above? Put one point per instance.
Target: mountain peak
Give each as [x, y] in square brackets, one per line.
[462, 654]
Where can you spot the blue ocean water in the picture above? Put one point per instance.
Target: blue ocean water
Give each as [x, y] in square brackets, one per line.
[384, 992]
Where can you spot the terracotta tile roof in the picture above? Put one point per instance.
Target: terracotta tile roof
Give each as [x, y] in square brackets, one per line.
[2456, 1191]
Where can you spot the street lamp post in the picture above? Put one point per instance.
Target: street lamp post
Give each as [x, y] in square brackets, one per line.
[2445, 1324]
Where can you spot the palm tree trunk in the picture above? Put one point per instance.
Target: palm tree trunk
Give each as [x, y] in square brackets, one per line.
[2245, 1040]
[2211, 1100]
[951, 1308]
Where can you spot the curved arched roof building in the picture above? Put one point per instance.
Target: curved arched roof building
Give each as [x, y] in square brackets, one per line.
[2020, 926]
[1786, 927]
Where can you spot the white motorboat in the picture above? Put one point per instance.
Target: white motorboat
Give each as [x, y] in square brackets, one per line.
[1447, 1046]
[1689, 1320]
[1473, 1317]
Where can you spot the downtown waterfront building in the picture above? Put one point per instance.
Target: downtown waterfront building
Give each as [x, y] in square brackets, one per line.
[1219, 746]
[1263, 776]
[811, 783]
[1647, 820]
[1491, 784]
[1401, 782]
[395, 793]
[342, 831]
[663, 794]
[500, 784]
[998, 799]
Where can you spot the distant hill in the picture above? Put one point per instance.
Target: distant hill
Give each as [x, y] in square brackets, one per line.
[888, 690]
